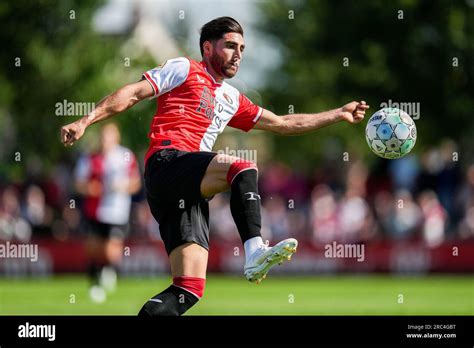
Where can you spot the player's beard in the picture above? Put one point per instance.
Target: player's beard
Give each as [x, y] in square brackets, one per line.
[222, 67]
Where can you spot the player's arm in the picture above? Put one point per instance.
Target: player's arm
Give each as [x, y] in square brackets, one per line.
[295, 124]
[119, 101]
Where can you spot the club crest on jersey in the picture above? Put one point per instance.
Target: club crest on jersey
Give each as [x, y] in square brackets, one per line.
[229, 99]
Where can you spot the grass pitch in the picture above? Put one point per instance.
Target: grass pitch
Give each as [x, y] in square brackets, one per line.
[229, 295]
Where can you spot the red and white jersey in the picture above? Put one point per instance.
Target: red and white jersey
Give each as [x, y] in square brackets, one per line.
[111, 174]
[192, 108]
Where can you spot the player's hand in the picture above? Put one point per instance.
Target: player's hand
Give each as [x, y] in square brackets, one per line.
[72, 132]
[354, 112]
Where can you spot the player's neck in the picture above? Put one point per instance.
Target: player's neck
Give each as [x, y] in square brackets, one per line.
[218, 78]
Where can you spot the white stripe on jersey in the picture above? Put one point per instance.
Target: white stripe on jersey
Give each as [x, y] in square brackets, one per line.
[225, 106]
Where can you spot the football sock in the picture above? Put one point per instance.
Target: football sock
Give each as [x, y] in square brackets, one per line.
[245, 201]
[184, 293]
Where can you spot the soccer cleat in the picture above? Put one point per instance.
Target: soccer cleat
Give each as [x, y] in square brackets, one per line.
[266, 257]
[97, 294]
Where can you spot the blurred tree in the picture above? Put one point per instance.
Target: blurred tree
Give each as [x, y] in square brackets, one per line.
[51, 55]
[404, 51]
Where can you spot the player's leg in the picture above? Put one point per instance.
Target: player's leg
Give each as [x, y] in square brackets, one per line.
[241, 177]
[95, 254]
[113, 251]
[188, 267]
[183, 216]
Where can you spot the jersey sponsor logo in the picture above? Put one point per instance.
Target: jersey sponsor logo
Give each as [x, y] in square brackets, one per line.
[206, 104]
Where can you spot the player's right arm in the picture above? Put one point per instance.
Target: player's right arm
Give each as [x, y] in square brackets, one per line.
[296, 124]
[119, 101]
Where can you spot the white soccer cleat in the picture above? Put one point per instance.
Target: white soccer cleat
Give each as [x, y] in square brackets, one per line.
[266, 257]
[97, 294]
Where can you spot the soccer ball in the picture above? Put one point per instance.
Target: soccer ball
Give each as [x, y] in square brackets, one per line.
[390, 133]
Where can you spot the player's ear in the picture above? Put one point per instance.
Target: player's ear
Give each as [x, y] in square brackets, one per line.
[207, 48]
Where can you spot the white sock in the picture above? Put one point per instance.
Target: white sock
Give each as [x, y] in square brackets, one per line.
[251, 245]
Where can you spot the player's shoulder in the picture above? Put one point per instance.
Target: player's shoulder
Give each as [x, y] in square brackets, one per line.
[182, 64]
[235, 94]
[229, 89]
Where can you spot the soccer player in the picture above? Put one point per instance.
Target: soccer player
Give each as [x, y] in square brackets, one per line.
[194, 105]
[106, 179]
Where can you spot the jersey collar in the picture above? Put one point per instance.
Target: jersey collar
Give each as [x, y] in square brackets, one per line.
[203, 64]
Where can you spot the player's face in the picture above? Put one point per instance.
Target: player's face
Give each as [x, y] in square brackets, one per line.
[226, 54]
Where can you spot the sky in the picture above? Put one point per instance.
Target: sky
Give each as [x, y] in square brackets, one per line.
[183, 18]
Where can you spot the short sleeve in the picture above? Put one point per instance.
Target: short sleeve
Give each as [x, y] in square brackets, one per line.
[247, 115]
[169, 75]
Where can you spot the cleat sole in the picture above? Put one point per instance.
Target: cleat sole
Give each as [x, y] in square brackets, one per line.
[281, 254]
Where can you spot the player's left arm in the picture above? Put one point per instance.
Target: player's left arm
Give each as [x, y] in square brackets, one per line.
[295, 124]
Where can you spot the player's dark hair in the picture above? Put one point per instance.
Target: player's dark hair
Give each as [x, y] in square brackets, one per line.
[215, 29]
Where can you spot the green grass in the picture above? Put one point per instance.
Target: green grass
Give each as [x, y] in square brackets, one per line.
[227, 295]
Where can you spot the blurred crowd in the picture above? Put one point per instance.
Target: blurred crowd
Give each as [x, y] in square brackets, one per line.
[430, 198]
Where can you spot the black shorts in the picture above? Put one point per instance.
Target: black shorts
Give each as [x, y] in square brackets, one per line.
[106, 231]
[173, 188]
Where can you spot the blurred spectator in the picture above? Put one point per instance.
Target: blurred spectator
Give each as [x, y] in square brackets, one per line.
[221, 222]
[142, 223]
[434, 218]
[106, 179]
[449, 179]
[440, 174]
[354, 215]
[323, 214]
[466, 202]
[276, 177]
[36, 212]
[384, 206]
[432, 164]
[275, 217]
[404, 172]
[12, 226]
[354, 219]
[407, 215]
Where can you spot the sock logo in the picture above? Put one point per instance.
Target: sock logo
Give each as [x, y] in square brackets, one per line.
[252, 196]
